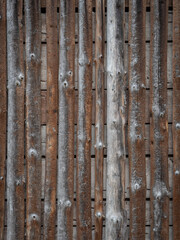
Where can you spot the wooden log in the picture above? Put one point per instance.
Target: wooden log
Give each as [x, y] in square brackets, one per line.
[176, 118]
[15, 144]
[51, 140]
[33, 119]
[136, 119]
[99, 121]
[3, 106]
[83, 177]
[65, 180]
[158, 121]
[115, 213]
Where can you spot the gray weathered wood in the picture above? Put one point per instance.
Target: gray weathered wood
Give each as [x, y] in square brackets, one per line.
[15, 144]
[65, 180]
[115, 213]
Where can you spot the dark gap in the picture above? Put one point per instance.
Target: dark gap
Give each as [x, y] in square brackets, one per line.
[43, 10]
[148, 9]
[170, 8]
[126, 9]
[76, 10]
[93, 9]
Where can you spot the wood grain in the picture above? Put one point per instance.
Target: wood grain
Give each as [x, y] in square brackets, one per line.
[15, 141]
[116, 220]
[136, 120]
[33, 119]
[158, 121]
[65, 180]
[52, 109]
[83, 177]
[3, 106]
[99, 121]
[176, 118]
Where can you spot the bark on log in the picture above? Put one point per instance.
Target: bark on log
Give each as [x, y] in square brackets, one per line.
[51, 129]
[83, 213]
[33, 119]
[158, 121]
[65, 189]
[3, 105]
[15, 149]
[115, 213]
[176, 118]
[136, 121]
[99, 122]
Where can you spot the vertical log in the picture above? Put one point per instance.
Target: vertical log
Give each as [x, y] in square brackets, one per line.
[115, 214]
[33, 119]
[158, 121]
[3, 77]
[136, 121]
[51, 129]
[84, 122]
[99, 130]
[65, 190]
[176, 118]
[15, 144]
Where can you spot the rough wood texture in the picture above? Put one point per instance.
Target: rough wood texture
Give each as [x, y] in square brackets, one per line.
[3, 105]
[115, 213]
[158, 121]
[176, 118]
[136, 121]
[33, 119]
[100, 104]
[15, 149]
[65, 187]
[51, 139]
[83, 177]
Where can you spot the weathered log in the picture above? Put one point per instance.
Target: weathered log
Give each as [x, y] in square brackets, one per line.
[33, 119]
[65, 187]
[176, 118]
[15, 149]
[3, 106]
[83, 186]
[99, 121]
[51, 130]
[136, 118]
[158, 121]
[115, 213]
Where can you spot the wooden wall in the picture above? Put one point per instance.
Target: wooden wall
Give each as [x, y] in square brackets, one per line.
[54, 131]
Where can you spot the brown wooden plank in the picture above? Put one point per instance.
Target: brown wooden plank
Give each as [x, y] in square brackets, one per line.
[83, 177]
[51, 141]
[99, 122]
[15, 144]
[158, 120]
[136, 119]
[33, 119]
[3, 105]
[65, 180]
[176, 118]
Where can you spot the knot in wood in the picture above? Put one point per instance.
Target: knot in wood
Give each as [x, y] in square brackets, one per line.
[18, 83]
[65, 84]
[98, 214]
[21, 77]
